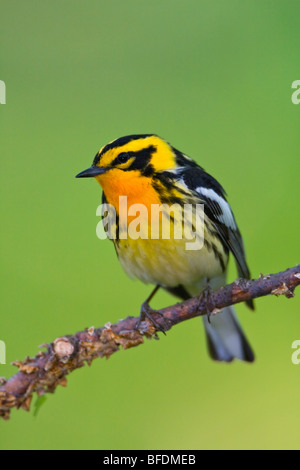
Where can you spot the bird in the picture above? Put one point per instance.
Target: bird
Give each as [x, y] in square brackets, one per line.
[149, 171]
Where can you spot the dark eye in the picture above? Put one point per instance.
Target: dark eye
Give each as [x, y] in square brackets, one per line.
[123, 157]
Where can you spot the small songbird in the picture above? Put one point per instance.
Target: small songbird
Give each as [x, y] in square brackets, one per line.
[149, 171]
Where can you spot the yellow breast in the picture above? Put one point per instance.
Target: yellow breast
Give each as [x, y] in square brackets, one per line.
[167, 262]
[156, 260]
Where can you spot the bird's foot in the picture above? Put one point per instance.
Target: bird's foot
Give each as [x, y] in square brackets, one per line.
[148, 312]
[205, 299]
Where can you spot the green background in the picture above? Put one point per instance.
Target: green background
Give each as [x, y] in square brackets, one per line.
[212, 78]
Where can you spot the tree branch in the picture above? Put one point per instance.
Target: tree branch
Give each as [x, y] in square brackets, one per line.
[43, 373]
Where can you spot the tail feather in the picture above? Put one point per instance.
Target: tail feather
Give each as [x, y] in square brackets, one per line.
[225, 338]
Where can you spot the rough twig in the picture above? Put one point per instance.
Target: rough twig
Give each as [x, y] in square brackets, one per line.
[48, 369]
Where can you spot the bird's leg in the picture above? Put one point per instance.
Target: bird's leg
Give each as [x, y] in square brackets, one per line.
[205, 298]
[147, 312]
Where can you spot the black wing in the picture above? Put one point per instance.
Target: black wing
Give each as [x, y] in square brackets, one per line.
[216, 207]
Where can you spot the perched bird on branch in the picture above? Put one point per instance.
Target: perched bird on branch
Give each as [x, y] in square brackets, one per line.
[149, 172]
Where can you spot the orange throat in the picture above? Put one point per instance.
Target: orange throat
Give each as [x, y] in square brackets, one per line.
[137, 188]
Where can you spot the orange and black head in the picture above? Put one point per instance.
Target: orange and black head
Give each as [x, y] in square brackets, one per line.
[128, 165]
[145, 153]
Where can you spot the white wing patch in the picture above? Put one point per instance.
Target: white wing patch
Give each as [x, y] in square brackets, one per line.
[176, 170]
[188, 158]
[226, 217]
[181, 182]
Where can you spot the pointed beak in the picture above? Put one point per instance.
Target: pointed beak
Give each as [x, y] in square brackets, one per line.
[92, 172]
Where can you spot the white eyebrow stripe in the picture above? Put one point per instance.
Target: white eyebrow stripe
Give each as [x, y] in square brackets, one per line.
[227, 216]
